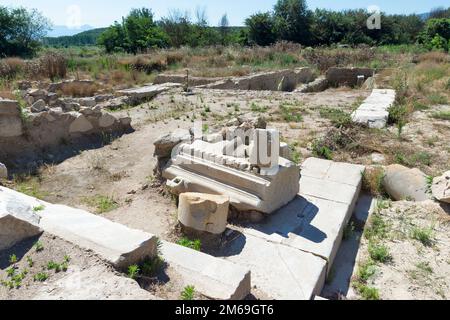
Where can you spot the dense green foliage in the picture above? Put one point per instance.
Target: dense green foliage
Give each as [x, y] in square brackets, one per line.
[20, 31]
[137, 32]
[291, 20]
[436, 34]
[86, 38]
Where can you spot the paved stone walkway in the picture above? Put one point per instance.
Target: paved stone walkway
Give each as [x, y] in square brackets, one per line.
[374, 112]
[292, 252]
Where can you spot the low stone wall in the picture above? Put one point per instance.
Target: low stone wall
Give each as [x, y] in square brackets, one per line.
[181, 79]
[31, 135]
[318, 85]
[283, 80]
[347, 76]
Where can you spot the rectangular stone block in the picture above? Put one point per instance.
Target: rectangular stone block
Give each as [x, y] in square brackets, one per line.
[213, 277]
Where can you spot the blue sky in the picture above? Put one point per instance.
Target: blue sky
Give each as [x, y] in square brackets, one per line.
[99, 13]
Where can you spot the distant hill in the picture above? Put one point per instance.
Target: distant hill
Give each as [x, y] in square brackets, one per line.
[61, 31]
[424, 16]
[86, 38]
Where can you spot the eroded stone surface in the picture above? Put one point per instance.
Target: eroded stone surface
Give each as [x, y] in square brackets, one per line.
[18, 220]
[213, 277]
[402, 183]
[300, 241]
[374, 112]
[203, 212]
[441, 187]
[113, 242]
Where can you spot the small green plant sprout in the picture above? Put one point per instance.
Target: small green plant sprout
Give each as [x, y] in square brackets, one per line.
[423, 235]
[8, 284]
[369, 293]
[379, 253]
[52, 265]
[10, 272]
[38, 246]
[151, 267]
[18, 278]
[38, 208]
[13, 259]
[188, 293]
[30, 262]
[41, 277]
[133, 271]
[67, 258]
[192, 244]
[430, 180]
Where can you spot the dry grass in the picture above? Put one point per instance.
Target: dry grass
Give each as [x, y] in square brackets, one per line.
[79, 89]
[11, 67]
[434, 56]
[53, 65]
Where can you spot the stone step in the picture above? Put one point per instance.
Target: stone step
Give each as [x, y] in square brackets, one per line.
[374, 111]
[213, 277]
[113, 242]
[308, 232]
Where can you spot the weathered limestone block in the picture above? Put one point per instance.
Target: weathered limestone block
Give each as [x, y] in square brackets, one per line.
[402, 183]
[347, 76]
[18, 221]
[9, 107]
[80, 124]
[106, 120]
[10, 126]
[165, 143]
[265, 148]
[212, 277]
[374, 112]
[38, 106]
[441, 187]
[125, 121]
[142, 94]
[203, 212]
[3, 171]
[318, 85]
[113, 242]
[87, 102]
[285, 151]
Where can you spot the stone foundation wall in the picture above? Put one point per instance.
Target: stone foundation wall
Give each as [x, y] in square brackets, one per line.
[284, 80]
[181, 79]
[24, 134]
[347, 76]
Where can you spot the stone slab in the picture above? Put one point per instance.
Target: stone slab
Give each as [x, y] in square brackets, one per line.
[18, 221]
[213, 277]
[312, 224]
[113, 242]
[374, 111]
[280, 271]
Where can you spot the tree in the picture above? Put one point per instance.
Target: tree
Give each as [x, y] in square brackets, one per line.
[113, 38]
[293, 21]
[261, 29]
[224, 28]
[436, 34]
[178, 27]
[21, 31]
[137, 33]
[439, 13]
